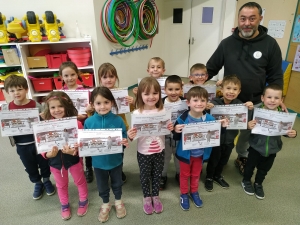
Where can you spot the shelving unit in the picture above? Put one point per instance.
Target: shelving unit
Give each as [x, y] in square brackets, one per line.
[60, 46]
[3, 65]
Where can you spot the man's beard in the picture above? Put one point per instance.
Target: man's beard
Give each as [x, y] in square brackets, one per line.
[248, 34]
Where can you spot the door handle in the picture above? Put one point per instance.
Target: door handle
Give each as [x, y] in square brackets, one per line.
[193, 40]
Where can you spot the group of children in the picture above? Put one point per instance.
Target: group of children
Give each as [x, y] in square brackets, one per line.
[153, 164]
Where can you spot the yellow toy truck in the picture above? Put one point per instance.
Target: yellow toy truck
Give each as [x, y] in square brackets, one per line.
[3, 31]
[52, 26]
[31, 22]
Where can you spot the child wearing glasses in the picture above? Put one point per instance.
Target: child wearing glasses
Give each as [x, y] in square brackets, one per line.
[198, 74]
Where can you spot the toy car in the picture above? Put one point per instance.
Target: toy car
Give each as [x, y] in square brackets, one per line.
[32, 24]
[3, 31]
[52, 26]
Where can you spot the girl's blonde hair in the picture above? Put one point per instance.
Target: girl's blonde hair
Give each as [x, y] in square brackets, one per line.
[73, 66]
[106, 68]
[64, 100]
[145, 86]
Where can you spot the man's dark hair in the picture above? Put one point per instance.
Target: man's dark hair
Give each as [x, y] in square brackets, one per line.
[252, 5]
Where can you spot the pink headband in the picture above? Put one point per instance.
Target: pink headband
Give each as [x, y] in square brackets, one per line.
[55, 97]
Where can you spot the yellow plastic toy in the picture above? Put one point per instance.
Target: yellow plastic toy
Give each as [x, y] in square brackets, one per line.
[16, 27]
[3, 31]
[32, 24]
[52, 26]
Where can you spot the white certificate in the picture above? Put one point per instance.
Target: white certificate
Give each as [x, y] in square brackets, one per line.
[56, 132]
[201, 135]
[154, 124]
[161, 81]
[94, 142]
[80, 99]
[176, 108]
[120, 95]
[236, 114]
[18, 121]
[272, 123]
[211, 89]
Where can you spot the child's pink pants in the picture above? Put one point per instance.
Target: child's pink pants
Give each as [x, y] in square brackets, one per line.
[62, 180]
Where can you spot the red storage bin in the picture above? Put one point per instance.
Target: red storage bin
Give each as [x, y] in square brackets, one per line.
[2, 98]
[54, 60]
[42, 84]
[57, 83]
[88, 79]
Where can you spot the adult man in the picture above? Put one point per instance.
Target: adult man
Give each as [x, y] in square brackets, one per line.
[254, 57]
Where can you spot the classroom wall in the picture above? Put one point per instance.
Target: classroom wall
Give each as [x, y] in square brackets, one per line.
[276, 10]
[130, 66]
[87, 13]
[291, 98]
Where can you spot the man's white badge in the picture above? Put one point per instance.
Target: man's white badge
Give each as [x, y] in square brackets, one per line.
[257, 54]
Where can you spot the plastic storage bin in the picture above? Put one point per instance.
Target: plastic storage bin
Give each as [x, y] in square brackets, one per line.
[88, 79]
[42, 84]
[80, 56]
[54, 60]
[37, 62]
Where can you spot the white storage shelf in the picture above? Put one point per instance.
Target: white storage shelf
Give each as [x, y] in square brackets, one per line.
[60, 46]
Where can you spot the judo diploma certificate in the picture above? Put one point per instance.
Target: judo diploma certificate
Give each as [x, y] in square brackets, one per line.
[120, 95]
[201, 135]
[57, 132]
[18, 122]
[94, 142]
[80, 99]
[176, 108]
[237, 115]
[154, 124]
[272, 123]
[211, 89]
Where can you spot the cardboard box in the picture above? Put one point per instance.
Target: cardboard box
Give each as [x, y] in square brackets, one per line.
[11, 57]
[37, 62]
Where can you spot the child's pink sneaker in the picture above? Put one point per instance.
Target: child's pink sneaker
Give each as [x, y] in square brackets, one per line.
[104, 212]
[158, 206]
[82, 208]
[120, 209]
[148, 208]
[65, 212]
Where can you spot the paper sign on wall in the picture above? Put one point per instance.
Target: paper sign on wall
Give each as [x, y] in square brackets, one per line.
[296, 64]
[276, 28]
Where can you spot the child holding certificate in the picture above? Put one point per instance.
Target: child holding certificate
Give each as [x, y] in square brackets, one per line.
[190, 161]
[173, 89]
[110, 165]
[150, 148]
[70, 75]
[108, 77]
[263, 149]
[230, 88]
[156, 69]
[35, 165]
[59, 105]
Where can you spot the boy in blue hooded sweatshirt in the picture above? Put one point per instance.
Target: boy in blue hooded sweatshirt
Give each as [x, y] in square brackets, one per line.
[190, 161]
